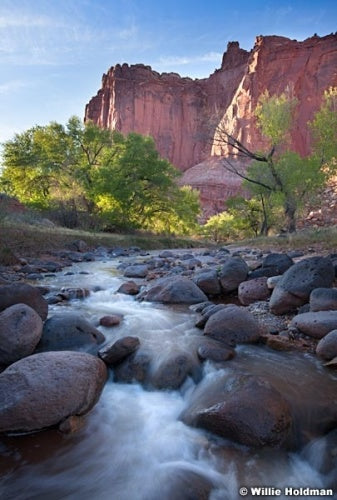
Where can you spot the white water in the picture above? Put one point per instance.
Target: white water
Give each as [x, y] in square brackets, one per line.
[133, 446]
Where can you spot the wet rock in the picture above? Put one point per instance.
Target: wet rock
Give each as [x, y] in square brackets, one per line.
[232, 325]
[232, 273]
[207, 313]
[117, 351]
[323, 299]
[134, 369]
[207, 280]
[44, 389]
[71, 332]
[72, 424]
[74, 293]
[253, 290]
[175, 290]
[244, 408]
[166, 254]
[129, 288]
[21, 293]
[327, 347]
[136, 271]
[172, 372]
[296, 284]
[112, 320]
[315, 324]
[20, 332]
[214, 351]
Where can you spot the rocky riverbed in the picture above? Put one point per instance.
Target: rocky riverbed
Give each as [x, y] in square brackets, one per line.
[216, 368]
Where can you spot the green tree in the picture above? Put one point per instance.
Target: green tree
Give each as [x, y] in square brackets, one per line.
[324, 130]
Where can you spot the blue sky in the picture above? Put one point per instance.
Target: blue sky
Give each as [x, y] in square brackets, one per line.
[53, 52]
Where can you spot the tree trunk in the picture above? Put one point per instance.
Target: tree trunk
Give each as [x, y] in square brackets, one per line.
[290, 208]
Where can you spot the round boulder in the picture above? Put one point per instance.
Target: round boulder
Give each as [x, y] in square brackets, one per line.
[69, 332]
[175, 290]
[129, 288]
[243, 408]
[44, 389]
[233, 325]
[136, 271]
[253, 290]
[20, 332]
[327, 347]
[323, 299]
[233, 272]
[207, 280]
[315, 324]
[119, 350]
[294, 288]
[21, 293]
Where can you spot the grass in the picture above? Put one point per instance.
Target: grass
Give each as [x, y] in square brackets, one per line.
[28, 240]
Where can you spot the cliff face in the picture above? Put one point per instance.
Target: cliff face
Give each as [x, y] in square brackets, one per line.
[182, 114]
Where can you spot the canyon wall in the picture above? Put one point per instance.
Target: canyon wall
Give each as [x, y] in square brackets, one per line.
[182, 114]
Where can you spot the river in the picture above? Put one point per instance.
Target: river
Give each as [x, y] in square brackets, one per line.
[133, 445]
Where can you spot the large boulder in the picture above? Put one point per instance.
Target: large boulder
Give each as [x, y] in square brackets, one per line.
[175, 290]
[294, 288]
[315, 324]
[116, 352]
[233, 325]
[244, 408]
[69, 332]
[232, 273]
[327, 347]
[173, 371]
[20, 332]
[44, 389]
[21, 293]
[136, 271]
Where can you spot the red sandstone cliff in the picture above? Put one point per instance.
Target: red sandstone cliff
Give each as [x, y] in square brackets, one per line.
[179, 112]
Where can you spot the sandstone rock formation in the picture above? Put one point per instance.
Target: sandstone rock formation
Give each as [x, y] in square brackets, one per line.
[182, 114]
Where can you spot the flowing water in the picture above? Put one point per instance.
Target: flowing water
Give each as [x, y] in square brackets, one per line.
[134, 446]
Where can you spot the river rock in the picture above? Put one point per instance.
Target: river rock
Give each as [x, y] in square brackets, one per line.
[20, 332]
[327, 347]
[110, 320]
[214, 351]
[21, 293]
[233, 325]
[232, 273]
[136, 271]
[323, 299]
[129, 288]
[253, 290]
[244, 408]
[315, 324]
[175, 290]
[172, 372]
[70, 332]
[207, 280]
[44, 389]
[277, 262]
[117, 351]
[135, 368]
[294, 288]
[207, 313]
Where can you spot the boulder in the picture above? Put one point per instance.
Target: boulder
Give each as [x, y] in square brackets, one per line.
[110, 320]
[232, 273]
[327, 347]
[70, 332]
[315, 324]
[233, 325]
[175, 290]
[20, 332]
[253, 290]
[136, 271]
[277, 262]
[44, 389]
[116, 352]
[214, 351]
[207, 280]
[172, 372]
[244, 408]
[129, 288]
[74, 293]
[294, 288]
[323, 299]
[135, 368]
[21, 293]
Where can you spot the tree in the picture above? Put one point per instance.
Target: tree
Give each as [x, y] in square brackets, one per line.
[277, 176]
[135, 187]
[324, 129]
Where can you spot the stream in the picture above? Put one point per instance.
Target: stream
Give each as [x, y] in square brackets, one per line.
[134, 446]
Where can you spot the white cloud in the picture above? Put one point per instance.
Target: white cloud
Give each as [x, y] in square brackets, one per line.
[12, 86]
[184, 60]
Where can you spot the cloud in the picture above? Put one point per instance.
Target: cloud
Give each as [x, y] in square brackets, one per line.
[184, 60]
[12, 86]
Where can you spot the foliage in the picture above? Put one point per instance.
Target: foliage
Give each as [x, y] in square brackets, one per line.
[79, 169]
[324, 129]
